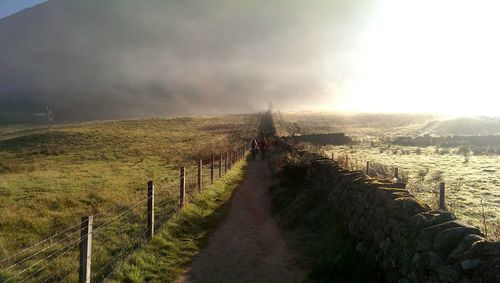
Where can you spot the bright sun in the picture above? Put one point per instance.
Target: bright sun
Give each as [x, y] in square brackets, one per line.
[429, 56]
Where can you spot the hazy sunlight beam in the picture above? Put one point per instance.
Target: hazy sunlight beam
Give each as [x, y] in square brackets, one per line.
[429, 56]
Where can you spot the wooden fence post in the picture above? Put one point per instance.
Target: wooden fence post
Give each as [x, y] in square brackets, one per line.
[212, 165]
[151, 209]
[85, 248]
[225, 162]
[333, 157]
[220, 165]
[200, 176]
[182, 190]
[442, 196]
[396, 174]
[367, 167]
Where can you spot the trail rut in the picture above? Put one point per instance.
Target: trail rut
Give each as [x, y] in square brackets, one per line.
[248, 245]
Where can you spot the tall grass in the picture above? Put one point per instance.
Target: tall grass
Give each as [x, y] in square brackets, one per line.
[169, 253]
[50, 177]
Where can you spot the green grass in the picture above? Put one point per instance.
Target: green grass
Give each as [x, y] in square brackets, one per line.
[168, 254]
[50, 176]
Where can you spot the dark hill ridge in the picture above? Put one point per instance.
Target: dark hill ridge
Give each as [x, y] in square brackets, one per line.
[94, 59]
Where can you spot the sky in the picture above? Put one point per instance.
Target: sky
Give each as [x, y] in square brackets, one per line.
[427, 56]
[93, 59]
[9, 7]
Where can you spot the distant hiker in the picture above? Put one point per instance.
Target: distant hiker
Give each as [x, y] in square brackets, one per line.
[254, 147]
[263, 147]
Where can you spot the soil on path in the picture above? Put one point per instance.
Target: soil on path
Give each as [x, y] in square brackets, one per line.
[248, 245]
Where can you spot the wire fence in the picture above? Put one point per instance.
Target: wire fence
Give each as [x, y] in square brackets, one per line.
[107, 239]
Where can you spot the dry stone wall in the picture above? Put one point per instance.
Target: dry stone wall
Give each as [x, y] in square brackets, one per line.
[409, 241]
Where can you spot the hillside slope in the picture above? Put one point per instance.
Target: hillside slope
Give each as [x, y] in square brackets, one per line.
[91, 59]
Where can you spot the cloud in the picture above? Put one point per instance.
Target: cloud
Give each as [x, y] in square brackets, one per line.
[97, 59]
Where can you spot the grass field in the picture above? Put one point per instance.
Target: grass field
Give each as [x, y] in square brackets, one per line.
[167, 256]
[50, 176]
[473, 186]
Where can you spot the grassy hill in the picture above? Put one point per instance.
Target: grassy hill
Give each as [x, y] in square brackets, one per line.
[50, 176]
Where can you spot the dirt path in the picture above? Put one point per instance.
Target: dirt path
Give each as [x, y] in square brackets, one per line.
[247, 246]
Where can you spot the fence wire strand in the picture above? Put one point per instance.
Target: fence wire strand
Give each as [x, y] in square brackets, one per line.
[118, 216]
[73, 244]
[39, 243]
[40, 251]
[122, 251]
[212, 165]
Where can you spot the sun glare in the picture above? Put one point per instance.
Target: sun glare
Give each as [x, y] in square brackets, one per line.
[429, 56]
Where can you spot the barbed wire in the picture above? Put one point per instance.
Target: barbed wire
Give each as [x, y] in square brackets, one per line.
[39, 243]
[66, 275]
[142, 237]
[118, 216]
[129, 222]
[73, 244]
[169, 216]
[122, 262]
[40, 251]
[191, 185]
[121, 209]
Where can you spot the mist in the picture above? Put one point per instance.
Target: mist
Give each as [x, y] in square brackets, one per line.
[98, 59]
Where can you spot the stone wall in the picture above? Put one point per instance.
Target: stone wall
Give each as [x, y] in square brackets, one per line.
[408, 240]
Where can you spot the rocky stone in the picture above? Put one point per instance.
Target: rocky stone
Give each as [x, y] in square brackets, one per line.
[432, 259]
[464, 246]
[425, 238]
[469, 264]
[387, 184]
[385, 245]
[449, 239]
[409, 241]
[430, 218]
[448, 274]
[417, 262]
[418, 221]
[406, 207]
[477, 248]
[441, 217]
[361, 248]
